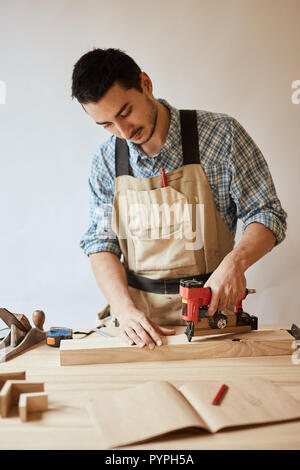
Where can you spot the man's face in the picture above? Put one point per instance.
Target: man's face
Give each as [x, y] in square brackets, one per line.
[128, 114]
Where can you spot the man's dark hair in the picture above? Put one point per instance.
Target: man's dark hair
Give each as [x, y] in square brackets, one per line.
[96, 71]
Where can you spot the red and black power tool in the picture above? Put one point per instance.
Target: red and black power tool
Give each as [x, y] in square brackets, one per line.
[195, 303]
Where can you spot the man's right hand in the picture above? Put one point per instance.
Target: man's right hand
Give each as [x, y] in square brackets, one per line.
[137, 328]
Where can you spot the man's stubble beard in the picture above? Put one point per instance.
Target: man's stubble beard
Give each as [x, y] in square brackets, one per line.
[152, 117]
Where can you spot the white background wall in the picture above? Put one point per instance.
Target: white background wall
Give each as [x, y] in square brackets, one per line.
[234, 56]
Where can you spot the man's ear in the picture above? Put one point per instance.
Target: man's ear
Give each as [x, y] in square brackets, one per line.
[146, 82]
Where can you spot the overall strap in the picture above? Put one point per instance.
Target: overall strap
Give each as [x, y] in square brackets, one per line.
[121, 157]
[189, 136]
[190, 143]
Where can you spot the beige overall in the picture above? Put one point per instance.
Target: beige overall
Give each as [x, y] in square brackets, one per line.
[192, 240]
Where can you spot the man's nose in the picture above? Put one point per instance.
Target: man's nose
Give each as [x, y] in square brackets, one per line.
[125, 130]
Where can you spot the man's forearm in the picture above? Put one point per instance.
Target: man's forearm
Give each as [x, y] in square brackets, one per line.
[257, 241]
[228, 281]
[135, 327]
[111, 278]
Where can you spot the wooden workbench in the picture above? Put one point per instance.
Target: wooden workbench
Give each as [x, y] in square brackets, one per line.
[67, 424]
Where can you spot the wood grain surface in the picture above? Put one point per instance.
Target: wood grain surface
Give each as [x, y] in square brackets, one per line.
[104, 350]
[67, 424]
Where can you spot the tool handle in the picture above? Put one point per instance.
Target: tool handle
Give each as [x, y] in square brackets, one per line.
[38, 318]
[247, 291]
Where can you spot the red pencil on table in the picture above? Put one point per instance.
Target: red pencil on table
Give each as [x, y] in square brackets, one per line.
[219, 395]
[164, 179]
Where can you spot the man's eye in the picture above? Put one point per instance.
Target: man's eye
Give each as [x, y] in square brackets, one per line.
[127, 114]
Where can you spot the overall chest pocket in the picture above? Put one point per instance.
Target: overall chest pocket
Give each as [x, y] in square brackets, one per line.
[159, 230]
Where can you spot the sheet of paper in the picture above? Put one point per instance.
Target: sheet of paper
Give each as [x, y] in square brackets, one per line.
[251, 400]
[149, 410]
[139, 413]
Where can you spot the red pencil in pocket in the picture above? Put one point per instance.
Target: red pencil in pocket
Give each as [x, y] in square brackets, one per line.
[163, 176]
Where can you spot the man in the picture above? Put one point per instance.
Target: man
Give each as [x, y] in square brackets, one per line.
[210, 162]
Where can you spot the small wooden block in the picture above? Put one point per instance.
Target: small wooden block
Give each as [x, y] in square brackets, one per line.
[11, 391]
[31, 402]
[4, 376]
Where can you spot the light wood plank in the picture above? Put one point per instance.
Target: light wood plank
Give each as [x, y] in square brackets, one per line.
[102, 350]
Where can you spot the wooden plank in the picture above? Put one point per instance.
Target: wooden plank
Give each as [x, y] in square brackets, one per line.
[103, 350]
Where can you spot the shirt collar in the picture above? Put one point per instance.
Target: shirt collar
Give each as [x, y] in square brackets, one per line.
[174, 129]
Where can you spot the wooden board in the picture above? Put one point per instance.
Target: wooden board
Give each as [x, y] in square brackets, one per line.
[103, 350]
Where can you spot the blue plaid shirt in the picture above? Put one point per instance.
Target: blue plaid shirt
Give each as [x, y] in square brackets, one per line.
[236, 170]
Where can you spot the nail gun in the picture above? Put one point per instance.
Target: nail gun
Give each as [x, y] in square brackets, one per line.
[195, 303]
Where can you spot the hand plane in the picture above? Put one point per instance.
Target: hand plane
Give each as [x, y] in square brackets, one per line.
[20, 335]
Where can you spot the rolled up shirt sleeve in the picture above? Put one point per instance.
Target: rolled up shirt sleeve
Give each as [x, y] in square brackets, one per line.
[252, 187]
[99, 235]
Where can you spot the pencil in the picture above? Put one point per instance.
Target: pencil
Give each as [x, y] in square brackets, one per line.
[164, 179]
[220, 393]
